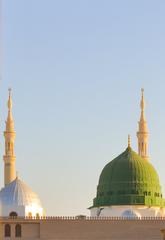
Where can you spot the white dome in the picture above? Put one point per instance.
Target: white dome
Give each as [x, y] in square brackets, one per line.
[17, 193]
[131, 214]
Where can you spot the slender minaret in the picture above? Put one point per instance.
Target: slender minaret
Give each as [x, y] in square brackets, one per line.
[142, 134]
[9, 157]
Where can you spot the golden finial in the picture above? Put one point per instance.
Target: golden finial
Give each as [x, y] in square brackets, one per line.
[129, 141]
[9, 100]
[142, 104]
[9, 89]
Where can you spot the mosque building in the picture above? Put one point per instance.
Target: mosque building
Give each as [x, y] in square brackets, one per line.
[16, 198]
[128, 206]
[129, 185]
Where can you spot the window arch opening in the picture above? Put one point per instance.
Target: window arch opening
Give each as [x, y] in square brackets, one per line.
[7, 230]
[18, 231]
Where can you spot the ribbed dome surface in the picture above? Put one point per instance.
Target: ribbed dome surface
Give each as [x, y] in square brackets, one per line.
[17, 193]
[129, 180]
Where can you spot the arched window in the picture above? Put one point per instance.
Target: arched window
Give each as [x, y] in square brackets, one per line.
[13, 214]
[18, 230]
[7, 230]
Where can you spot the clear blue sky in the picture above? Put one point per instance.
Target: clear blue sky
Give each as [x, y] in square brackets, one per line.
[76, 69]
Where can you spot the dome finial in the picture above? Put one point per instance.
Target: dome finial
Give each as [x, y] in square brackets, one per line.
[129, 141]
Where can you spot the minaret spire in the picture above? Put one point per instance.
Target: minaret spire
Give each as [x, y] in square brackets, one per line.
[142, 105]
[9, 134]
[142, 133]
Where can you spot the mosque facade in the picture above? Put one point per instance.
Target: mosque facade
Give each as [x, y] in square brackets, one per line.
[129, 185]
[129, 203]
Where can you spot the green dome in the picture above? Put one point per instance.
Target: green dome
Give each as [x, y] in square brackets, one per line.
[129, 180]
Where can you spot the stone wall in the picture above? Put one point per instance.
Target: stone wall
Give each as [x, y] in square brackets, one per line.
[85, 229]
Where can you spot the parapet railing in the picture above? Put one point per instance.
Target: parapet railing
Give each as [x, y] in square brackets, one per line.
[83, 218]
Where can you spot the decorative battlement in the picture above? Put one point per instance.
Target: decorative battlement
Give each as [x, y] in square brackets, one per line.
[83, 218]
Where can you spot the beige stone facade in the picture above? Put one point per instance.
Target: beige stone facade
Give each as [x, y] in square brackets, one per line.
[85, 229]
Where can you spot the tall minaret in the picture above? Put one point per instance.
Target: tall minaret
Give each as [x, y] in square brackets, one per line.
[142, 134]
[9, 157]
